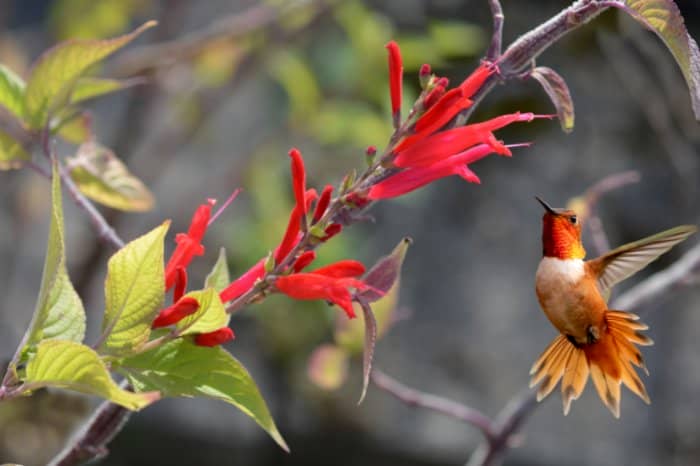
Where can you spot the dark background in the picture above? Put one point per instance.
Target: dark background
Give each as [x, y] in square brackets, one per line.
[200, 130]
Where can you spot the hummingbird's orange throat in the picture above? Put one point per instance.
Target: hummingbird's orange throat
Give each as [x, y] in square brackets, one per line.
[561, 236]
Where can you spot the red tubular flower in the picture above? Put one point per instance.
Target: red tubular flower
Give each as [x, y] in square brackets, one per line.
[293, 233]
[430, 100]
[175, 313]
[215, 338]
[323, 202]
[306, 258]
[332, 284]
[298, 179]
[395, 79]
[180, 283]
[243, 283]
[189, 244]
[441, 145]
[413, 178]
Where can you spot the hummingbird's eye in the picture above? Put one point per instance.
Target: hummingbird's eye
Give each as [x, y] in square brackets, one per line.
[573, 219]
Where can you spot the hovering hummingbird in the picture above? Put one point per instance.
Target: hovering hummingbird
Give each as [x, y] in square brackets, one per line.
[572, 292]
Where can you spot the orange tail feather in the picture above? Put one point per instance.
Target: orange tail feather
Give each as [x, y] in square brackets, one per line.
[608, 362]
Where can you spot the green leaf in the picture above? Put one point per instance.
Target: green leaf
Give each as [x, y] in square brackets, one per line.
[59, 313]
[89, 87]
[70, 365]
[102, 177]
[558, 92]
[74, 127]
[219, 277]
[12, 154]
[11, 92]
[328, 366]
[134, 291]
[179, 368]
[210, 316]
[664, 18]
[55, 73]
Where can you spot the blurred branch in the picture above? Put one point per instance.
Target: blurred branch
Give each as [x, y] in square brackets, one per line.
[91, 441]
[494, 51]
[149, 57]
[591, 197]
[444, 406]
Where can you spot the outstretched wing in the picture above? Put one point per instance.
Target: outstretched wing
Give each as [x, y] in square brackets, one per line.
[626, 260]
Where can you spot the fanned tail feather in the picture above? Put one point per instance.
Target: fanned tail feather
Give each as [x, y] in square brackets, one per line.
[608, 361]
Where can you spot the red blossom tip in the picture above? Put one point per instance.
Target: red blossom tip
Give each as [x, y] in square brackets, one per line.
[215, 338]
[395, 79]
[474, 81]
[323, 202]
[298, 179]
[425, 70]
[371, 151]
[306, 258]
[175, 313]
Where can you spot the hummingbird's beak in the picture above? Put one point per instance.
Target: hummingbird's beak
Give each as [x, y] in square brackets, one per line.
[546, 206]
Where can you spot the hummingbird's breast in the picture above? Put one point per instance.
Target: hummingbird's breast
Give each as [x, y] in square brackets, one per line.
[569, 297]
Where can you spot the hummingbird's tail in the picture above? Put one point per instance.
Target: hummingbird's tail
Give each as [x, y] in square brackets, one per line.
[608, 361]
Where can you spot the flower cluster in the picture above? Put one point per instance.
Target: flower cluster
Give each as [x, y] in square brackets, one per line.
[427, 149]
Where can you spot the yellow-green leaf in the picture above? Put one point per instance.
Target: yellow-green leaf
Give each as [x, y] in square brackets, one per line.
[74, 128]
[89, 87]
[664, 18]
[70, 365]
[102, 177]
[11, 92]
[134, 291]
[219, 277]
[12, 154]
[54, 74]
[210, 316]
[59, 312]
[179, 368]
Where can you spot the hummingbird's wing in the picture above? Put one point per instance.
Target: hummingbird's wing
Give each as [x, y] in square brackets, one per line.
[627, 260]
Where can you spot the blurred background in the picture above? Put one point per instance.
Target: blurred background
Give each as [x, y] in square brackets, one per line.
[221, 113]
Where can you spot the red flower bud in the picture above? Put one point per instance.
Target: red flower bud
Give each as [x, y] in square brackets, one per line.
[214, 338]
[175, 313]
[323, 202]
[332, 230]
[371, 151]
[306, 258]
[424, 75]
[298, 179]
[395, 79]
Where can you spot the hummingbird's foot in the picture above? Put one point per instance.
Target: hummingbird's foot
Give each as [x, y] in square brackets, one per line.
[593, 334]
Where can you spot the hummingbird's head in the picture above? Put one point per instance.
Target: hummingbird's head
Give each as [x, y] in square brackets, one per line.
[561, 233]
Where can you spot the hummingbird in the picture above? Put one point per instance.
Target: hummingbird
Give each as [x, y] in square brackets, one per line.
[594, 341]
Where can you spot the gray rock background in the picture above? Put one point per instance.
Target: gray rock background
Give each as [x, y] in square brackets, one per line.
[475, 326]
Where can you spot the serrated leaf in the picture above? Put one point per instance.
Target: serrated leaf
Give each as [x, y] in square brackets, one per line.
[134, 291]
[70, 365]
[328, 367]
[102, 177]
[664, 18]
[558, 92]
[55, 73]
[179, 368]
[89, 87]
[59, 313]
[210, 316]
[12, 154]
[219, 277]
[11, 92]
